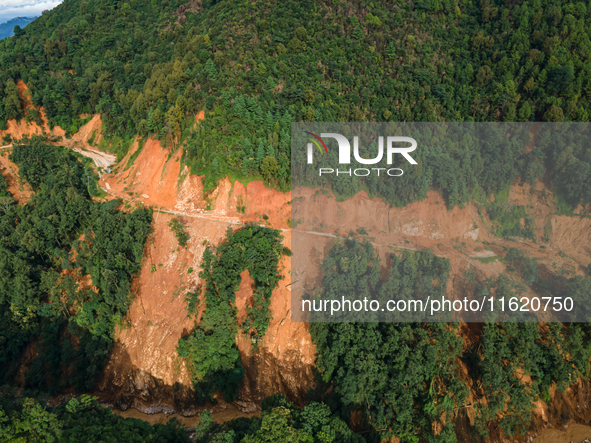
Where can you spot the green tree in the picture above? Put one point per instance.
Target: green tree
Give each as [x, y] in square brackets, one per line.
[554, 114]
[358, 33]
[391, 51]
[179, 232]
[211, 70]
[269, 168]
[12, 101]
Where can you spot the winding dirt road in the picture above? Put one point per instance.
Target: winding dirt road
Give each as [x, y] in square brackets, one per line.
[101, 159]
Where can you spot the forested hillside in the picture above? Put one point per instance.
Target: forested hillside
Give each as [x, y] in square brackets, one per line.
[406, 376]
[66, 265]
[148, 67]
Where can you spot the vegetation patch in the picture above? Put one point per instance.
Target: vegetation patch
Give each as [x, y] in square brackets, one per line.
[79, 419]
[254, 69]
[179, 232]
[512, 220]
[210, 350]
[403, 377]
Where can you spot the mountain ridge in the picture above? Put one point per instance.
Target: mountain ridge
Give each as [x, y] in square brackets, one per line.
[7, 28]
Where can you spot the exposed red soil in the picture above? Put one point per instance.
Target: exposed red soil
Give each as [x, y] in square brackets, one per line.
[152, 179]
[144, 371]
[456, 234]
[569, 244]
[144, 366]
[566, 419]
[156, 179]
[90, 129]
[21, 192]
[18, 129]
[283, 361]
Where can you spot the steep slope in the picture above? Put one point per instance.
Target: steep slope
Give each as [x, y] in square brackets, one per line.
[283, 362]
[144, 70]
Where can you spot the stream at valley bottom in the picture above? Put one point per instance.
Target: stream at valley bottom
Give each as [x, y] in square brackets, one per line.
[573, 433]
[229, 413]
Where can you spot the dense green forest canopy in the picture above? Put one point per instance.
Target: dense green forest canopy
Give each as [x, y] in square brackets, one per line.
[280, 421]
[404, 377]
[48, 249]
[149, 67]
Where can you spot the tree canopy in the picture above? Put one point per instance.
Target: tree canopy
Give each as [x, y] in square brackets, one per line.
[48, 247]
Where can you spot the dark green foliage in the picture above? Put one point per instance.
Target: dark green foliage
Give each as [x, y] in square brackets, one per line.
[404, 376]
[4, 187]
[27, 420]
[79, 420]
[210, 349]
[46, 248]
[269, 168]
[149, 66]
[457, 159]
[41, 163]
[569, 162]
[513, 221]
[511, 351]
[546, 354]
[351, 270]
[526, 266]
[11, 102]
[401, 375]
[280, 421]
[578, 288]
[179, 232]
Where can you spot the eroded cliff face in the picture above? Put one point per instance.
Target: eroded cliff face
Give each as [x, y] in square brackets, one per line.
[144, 371]
[284, 360]
[565, 419]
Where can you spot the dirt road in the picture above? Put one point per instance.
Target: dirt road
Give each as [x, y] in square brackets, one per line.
[101, 159]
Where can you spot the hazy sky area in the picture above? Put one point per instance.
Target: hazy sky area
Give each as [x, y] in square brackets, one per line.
[24, 8]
